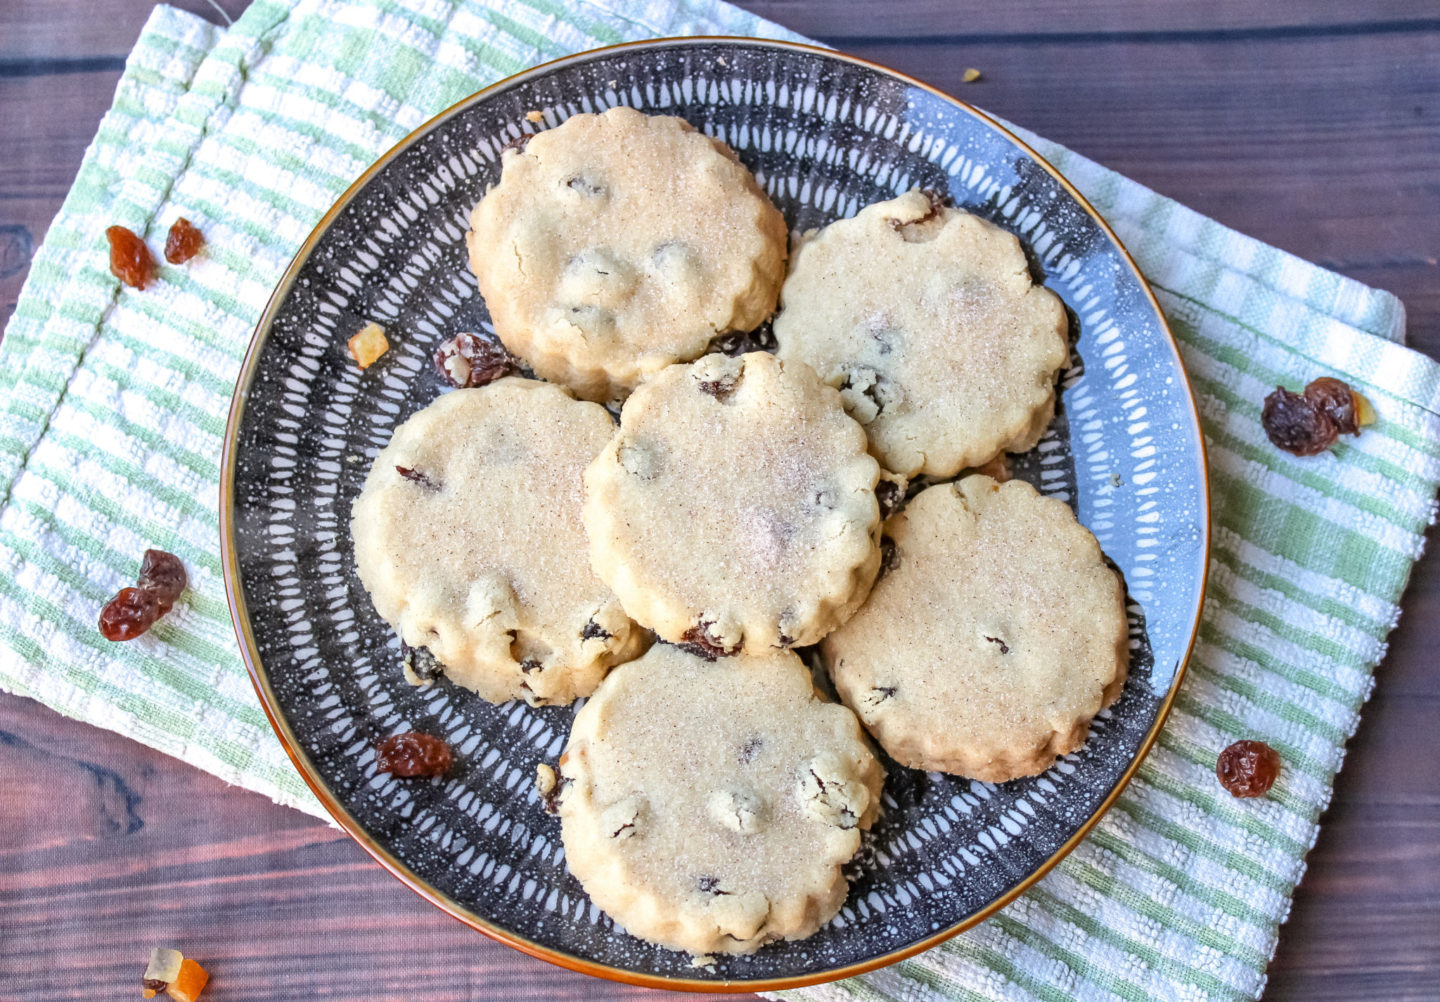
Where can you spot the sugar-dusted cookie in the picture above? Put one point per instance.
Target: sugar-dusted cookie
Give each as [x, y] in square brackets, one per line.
[925, 318]
[735, 508]
[994, 636]
[709, 806]
[616, 244]
[468, 538]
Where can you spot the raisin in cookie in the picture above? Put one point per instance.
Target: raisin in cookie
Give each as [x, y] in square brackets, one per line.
[735, 508]
[619, 243]
[994, 636]
[709, 806]
[926, 319]
[468, 538]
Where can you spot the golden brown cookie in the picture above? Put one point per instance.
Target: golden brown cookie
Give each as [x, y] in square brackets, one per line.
[993, 638]
[468, 538]
[925, 318]
[616, 244]
[735, 508]
[710, 806]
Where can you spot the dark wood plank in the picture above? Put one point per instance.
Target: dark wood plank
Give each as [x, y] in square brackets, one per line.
[111, 848]
[57, 115]
[1312, 125]
[38, 35]
[1224, 20]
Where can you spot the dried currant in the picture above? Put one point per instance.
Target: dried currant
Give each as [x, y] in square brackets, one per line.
[889, 495]
[551, 786]
[709, 885]
[750, 749]
[1337, 400]
[719, 388]
[413, 754]
[130, 613]
[915, 230]
[698, 640]
[469, 360]
[417, 477]
[130, 259]
[593, 631]
[1297, 424]
[585, 186]
[426, 667]
[182, 242]
[1248, 768]
[163, 575]
[889, 557]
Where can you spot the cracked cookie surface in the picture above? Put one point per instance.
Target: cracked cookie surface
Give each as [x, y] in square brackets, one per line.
[469, 539]
[735, 508]
[993, 638]
[616, 244]
[925, 318]
[709, 806]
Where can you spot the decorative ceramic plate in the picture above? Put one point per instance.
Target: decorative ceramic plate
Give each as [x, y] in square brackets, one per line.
[826, 135]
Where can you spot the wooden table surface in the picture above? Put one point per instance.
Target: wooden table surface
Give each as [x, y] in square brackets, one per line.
[1311, 124]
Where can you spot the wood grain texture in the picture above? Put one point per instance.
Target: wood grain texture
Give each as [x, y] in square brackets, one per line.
[1311, 124]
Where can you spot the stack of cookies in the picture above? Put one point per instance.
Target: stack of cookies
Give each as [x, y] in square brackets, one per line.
[524, 546]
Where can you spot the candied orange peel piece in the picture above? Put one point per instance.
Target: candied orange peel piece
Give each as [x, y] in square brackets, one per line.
[192, 980]
[368, 345]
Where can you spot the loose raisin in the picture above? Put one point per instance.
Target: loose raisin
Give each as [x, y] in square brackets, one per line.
[1337, 400]
[469, 360]
[130, 613]
[182, 242]
[1297, 424]
[134, 610]
[1248, 768]
[164, 575]
[130, 259]
[413, 754]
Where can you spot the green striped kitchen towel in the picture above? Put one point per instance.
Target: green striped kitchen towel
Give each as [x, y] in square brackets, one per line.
[112, 410]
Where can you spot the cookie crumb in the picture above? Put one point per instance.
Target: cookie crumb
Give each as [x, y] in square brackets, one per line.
[970, 75]
[702, 960]
[533, 116]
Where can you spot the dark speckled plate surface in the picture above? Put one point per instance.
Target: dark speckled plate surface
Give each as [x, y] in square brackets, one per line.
[826, 135]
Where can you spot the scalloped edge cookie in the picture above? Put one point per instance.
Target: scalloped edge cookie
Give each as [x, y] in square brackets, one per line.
[616, 244]
[710, 806]
[925, 318]
[993, 639]
[522, 624]
[774, 548]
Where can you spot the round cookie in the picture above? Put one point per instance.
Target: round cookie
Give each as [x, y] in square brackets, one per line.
[468, 538]
[616, 244]
[709, 806]
[925, 318]
[994, 636]
[735, 508]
